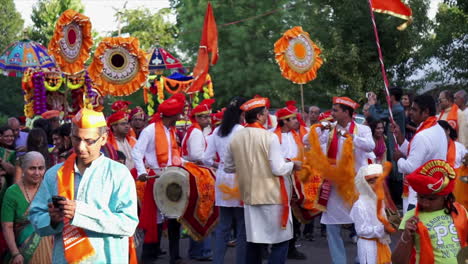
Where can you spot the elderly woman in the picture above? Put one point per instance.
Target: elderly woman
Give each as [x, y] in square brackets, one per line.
[25, 246]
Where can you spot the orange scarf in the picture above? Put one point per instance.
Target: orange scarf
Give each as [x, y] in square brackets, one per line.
[452, 116]
[426, 254]
[451, 153]
[284, 192]
[428, 123]
[384, 254]
[162, 146]
[113, 140]
[77, 246]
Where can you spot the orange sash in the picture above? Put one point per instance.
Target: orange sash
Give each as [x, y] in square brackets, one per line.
[75, 241]
[284, 192]
[426, 253]
[428, 123]
[451, 153]
[162, 146]
[384, 255]
[452, 116]
[113, 140]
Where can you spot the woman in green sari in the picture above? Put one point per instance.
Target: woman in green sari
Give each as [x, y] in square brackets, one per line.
[7, 159]
[25, 246]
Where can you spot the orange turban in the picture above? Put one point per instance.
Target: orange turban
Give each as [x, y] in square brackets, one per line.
[345, 101]
[434, 177]
[254, 103]
[51, 113]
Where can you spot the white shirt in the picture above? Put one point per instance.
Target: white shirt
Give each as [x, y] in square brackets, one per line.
[217, 144]
[337, 211]
[146, 148]
[426, 145]
[463, 127]
[196, 145]
[263, 222]
[125, 147]
[289, 147]
[460, 152]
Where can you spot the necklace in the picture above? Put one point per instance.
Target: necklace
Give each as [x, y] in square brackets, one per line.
[26, 192]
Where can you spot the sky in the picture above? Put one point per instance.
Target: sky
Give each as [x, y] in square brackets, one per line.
[102, 12]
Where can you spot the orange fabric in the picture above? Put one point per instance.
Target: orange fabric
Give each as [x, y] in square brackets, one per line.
[452, 116]
[77, 246]
[426, 253]
[284, 193]
[87, 118]
[107, 87]
[162, 146]
[345, 101]
[77, 65]
[395, 8]
[429, 122]
[288, 69]
[380, 192]
[461, 195]
[132, 255]
[384, 254]
[208, 45]
[451, 153]
[206, 191]
[111, 139]
[254, 103]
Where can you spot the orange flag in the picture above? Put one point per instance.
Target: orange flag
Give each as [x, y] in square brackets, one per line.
[208, 45]
[395, 8]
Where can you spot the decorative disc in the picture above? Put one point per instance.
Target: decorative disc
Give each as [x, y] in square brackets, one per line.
[119, 65]
[71, 43]
[300, 54]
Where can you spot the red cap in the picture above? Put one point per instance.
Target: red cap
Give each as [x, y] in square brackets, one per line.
[325, 116]
[117, 117]
[137, 111]
[203, 108]
[267, 100]
[120, 105]
[50, 114]
[286, 112]
[217, 117]
[345, 101]
[173, 105]
[434, 177]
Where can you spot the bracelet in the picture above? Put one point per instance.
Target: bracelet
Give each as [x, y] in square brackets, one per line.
[15, 255]
[401, 238]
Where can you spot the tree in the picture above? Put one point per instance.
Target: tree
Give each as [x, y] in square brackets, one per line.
[342, 29]
[151, 28]
[11, 23]
[44, 16]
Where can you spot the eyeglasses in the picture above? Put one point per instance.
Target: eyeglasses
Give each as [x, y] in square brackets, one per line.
[89, 142]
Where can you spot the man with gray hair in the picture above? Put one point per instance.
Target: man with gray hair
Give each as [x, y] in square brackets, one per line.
[460, 99]
[314, 113]
[20, 137]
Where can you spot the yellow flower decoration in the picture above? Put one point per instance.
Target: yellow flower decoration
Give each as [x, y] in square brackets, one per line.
[297, 56]
[119, 66]
[71, 42]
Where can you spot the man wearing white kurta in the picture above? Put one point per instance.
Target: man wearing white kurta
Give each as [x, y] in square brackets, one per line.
[255, 155]
[429, 142]
[337, 212]
[460, 99]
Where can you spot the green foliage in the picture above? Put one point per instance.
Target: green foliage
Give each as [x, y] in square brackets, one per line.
[342, 29]
[11, 105]
[44, 16]
[11, 23]
[151, 28]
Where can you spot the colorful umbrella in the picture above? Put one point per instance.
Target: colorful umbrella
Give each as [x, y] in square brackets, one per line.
[162, 60]
[23, 54]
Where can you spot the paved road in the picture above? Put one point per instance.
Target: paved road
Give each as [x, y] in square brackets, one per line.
[316, 251]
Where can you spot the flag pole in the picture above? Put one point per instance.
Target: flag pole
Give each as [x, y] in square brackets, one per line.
[382, 67]
[302, 97]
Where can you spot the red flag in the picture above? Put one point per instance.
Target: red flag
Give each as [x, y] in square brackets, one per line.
[395, 8]
[208, 45]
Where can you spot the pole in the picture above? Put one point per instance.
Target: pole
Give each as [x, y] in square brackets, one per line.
[302, 97]
[382, 67]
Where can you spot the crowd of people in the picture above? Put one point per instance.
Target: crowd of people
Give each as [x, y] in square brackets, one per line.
[80, 189]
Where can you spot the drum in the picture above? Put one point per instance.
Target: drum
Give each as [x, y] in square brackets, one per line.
[188, 194]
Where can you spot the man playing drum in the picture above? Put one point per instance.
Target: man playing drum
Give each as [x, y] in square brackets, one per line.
[157, 145]
[254, 154]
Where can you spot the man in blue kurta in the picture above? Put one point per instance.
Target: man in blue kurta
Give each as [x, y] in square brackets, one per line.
[99, 213]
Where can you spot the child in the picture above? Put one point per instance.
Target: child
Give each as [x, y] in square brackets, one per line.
[368, 214]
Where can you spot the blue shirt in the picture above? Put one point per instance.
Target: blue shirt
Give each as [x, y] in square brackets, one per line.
[106, 208]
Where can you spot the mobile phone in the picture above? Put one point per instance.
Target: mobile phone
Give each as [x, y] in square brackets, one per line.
[368, 95]
[56, 199]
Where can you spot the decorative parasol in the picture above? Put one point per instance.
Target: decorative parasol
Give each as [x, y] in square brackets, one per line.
[161, 60]
[119, 66]
[298, 57]
[71, 42]
[23, 54]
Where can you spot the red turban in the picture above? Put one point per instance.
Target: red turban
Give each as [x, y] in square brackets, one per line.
[286, 112]
[116, 118]
[434, 177]
[120, 105]
[217, 117]
[137, 111]
[203, 108]
[172, 106]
